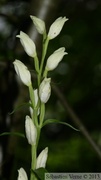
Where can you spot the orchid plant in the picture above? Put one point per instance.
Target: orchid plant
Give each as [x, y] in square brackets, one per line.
[38, 97]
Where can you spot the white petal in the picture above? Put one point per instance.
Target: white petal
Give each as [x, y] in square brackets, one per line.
[42, 158]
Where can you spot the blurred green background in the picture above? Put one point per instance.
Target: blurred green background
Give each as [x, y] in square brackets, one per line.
[78, 77]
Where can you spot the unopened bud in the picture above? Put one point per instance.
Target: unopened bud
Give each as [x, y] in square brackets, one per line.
[22, 174]
[56, 27]
[31, 131]
[45, 90]
[55, 58]
[23, 72]
[27, 44]
[42, 158]
[39, 24]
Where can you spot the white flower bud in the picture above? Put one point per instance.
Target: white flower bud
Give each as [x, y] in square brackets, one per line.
[55, 58]
[56, 27]
[23, 72]
[39, 24]
[45, 90]
[27, 44]
[42, 158]
[22, 174]
[36, 101]
[31, 131]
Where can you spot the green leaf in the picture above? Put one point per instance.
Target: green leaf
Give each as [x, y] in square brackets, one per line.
[50, 121]
[19, 107]
[13, 133]
[40, 173]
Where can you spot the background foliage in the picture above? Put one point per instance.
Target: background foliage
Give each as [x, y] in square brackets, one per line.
[78, 77]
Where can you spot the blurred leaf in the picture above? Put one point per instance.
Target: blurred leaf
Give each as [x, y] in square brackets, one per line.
[13, 133]
[19, 107]
[50, 121]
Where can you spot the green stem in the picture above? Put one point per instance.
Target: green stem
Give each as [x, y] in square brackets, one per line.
[33, 164]
[41, 105]
[38, 135]
[45, 46]
[36, 62]
[31, 93]
[35, 118]
[34, 155]
[42, 113]
[45, 73]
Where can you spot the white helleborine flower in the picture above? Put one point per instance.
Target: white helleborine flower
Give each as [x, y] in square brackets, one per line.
[39, 24]
[42, 158]
[45, 90]
[27, 44]
[56, 27]
[55, 58]
[22, 174]
[31, 131]
[23, 72]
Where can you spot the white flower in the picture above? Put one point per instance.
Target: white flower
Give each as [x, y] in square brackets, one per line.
[22, 174]
[23, 72]
[56, 27]
[36, 101]
[55, 58]
[31, 131]
[27, 44]
[39, 24]
[45, 90]
[42, 158]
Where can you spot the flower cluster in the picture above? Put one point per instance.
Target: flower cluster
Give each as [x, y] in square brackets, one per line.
[39, 96]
